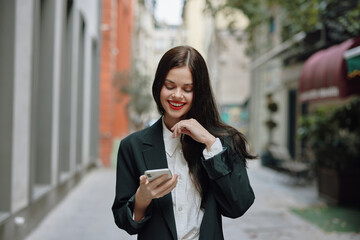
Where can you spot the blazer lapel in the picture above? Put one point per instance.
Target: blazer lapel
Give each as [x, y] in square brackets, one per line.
[155, 157]
[154, 148]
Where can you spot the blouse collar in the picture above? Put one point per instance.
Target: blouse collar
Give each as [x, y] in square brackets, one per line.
[170, 142]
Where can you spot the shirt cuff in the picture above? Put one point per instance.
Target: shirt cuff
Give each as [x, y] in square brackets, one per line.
[216, 148]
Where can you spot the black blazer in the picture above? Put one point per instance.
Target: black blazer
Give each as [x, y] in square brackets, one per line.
[229, 194]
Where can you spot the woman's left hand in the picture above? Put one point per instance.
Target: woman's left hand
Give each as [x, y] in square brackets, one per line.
[195, 130]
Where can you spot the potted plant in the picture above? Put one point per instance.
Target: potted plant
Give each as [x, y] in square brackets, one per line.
[267, 159]
[332, 136]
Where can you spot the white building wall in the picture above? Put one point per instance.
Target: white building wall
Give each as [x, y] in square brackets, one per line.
[167, 37]
[195, 24]
[19, 185]
[22, 99]
[90, 12]
[258, 112]
[59, 8]
[144, 47]
[87, 98]
[74, 88]
[234, 71]
[144, 57]
[266, 79]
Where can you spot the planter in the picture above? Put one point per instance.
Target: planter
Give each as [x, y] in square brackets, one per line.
[339, 187]
[267, 160]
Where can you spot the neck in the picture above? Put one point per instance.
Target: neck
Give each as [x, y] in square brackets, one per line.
[169, 123]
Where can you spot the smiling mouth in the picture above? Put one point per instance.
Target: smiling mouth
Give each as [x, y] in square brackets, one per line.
[176, 105]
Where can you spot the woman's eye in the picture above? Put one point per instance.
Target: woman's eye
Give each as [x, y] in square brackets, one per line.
[188, 90]
[169, 87]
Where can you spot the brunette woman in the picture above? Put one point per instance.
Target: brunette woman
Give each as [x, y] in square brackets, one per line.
[207, 159]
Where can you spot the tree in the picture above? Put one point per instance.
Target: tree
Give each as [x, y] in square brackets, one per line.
[135, 85]
[337, 20]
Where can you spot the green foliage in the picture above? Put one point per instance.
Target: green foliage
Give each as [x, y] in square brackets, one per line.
[136, 86]
[341, 19]
[338, 19]
[140, 99]
[301, 16]
[256, 10]
[333, 135]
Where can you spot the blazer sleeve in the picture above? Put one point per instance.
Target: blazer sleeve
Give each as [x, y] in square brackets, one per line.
[127, 182]
[229, 183]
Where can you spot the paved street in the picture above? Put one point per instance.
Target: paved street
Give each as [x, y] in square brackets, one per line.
[85, 213]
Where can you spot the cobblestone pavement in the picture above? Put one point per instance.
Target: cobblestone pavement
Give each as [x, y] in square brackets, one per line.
[85, 213]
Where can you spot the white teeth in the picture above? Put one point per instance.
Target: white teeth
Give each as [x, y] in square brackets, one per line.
[176, 104]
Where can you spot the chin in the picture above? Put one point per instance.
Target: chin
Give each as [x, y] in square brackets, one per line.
[177, 116]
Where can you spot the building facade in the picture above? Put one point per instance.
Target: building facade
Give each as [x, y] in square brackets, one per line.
[225, 55]
[233, 74]
[116, 36]
[270, 81]
[299, 75]
[198, 35]
[49, 109]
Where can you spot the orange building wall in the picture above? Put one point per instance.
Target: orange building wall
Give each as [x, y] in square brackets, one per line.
[115, 57]
[123, 64]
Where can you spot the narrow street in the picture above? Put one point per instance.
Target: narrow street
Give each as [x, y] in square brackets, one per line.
[85, 213]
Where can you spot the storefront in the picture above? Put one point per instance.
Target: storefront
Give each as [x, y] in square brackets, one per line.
[352, 57]
[330, 130]
[332, 73]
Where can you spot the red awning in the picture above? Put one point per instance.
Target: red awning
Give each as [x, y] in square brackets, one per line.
[324, 74]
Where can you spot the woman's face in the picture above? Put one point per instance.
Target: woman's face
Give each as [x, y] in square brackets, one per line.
[176, 95]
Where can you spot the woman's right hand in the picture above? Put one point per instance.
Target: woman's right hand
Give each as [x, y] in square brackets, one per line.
[147, 191]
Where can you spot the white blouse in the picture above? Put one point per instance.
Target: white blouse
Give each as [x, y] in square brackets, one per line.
[186, 199]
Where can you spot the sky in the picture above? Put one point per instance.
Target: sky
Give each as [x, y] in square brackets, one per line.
[169, 11]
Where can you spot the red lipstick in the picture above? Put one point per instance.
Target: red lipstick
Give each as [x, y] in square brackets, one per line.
[176, 105]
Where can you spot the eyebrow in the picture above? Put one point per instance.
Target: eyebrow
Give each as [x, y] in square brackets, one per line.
[186, 84]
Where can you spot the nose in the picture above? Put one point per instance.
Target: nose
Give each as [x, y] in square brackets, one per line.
[178, 93]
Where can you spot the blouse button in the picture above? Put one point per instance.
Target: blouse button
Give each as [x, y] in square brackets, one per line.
[180, 209]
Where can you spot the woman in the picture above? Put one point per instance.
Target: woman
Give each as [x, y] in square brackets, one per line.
[207, 159]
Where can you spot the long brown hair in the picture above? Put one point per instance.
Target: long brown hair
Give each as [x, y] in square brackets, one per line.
[203, 109]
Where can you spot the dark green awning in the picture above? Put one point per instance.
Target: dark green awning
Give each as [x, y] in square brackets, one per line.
[353, 66]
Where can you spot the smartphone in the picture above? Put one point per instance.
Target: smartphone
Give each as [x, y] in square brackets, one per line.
[155, 173]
